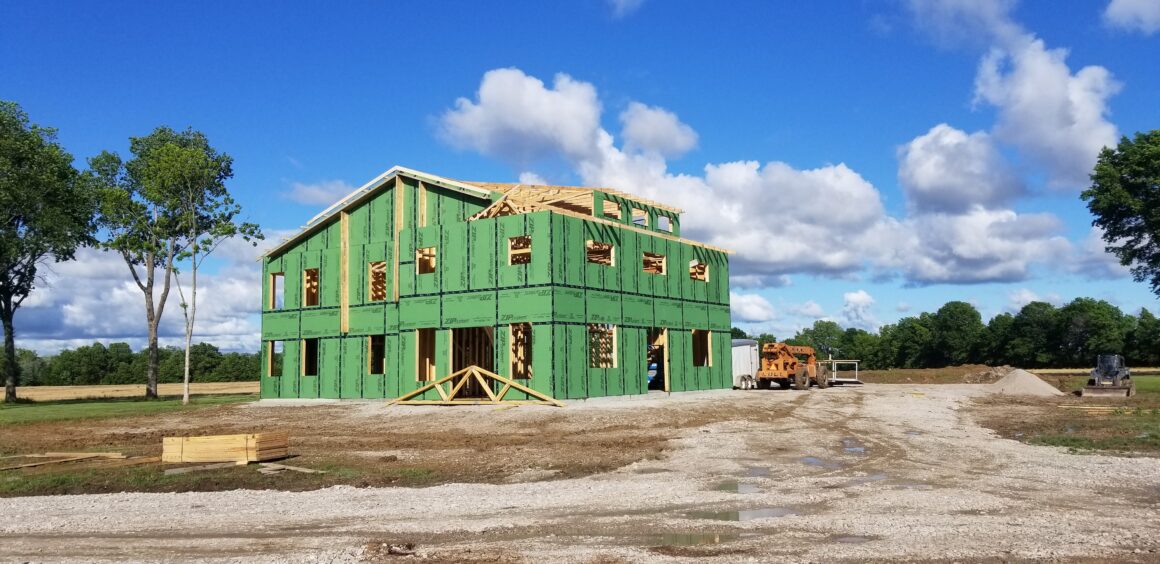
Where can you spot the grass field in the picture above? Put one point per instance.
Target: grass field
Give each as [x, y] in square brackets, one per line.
[56, 393]
[65, 410]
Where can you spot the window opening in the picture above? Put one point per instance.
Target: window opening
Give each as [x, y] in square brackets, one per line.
[274, 357]
[520, 250]
[425, 345]
[377, 279]
[601, 345]
[425, 258]
[310, 287]
[702, 348]
[310, 357]
[639, 217]
[664, 223]
[601, 253]
[654, 263]
[376, 354]
[698, 271]
[521, 351]
[611, 210]
[277, 290]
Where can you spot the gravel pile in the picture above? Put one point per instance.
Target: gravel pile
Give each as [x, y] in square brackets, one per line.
[1023, 383]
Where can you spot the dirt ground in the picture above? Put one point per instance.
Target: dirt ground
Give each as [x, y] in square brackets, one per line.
[58, 393]
[875, 472]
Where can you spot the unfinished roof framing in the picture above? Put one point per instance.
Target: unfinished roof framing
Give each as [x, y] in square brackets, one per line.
[412, 276]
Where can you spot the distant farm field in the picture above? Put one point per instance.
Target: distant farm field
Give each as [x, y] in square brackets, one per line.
[59, 393]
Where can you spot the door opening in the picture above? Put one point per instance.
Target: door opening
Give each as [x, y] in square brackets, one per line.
[472, 346]
[657, 363]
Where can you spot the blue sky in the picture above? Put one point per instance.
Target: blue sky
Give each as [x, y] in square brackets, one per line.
[917, 152]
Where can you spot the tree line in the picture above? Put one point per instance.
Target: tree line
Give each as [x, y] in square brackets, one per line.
[1039, 335]
[164, 208]
[117, 363]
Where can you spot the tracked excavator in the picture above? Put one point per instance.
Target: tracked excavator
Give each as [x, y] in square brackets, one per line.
[788, 365]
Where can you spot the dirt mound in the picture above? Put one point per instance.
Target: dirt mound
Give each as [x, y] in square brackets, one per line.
[1023, 383]
[988, 375]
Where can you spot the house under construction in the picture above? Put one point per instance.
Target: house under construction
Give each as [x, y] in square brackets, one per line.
[571, 292]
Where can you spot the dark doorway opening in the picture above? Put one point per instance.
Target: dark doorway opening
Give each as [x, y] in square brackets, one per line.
[472, 346]
[657, 359]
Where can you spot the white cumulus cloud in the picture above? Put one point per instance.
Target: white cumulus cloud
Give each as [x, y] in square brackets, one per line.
[782, 220]
[949, 170]
[1134, 15]
[658, 130]
[321, 193]
[750, 308]
[515, 117]
[808, 309]
[857, 310]
[1056, 117]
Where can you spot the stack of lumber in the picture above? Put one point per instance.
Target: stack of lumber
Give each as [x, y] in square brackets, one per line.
[241, 449]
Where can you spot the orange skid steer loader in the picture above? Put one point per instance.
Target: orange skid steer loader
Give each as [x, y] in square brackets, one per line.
[789, 365]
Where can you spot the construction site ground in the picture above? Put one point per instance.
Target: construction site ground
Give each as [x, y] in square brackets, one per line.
[860, 473]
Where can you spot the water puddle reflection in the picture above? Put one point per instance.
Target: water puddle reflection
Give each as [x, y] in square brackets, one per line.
[742, 515]
[734, 486]
[853, 446]
[820, 462]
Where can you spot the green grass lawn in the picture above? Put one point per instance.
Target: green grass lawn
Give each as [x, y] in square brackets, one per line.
[21, 413]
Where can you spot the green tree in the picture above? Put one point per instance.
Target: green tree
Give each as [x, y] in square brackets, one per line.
[913, 338]
[824, 336]
[765, 338]
[858, 344]
[194, 174]
[995, 340]
[1143, 346]
[1034, 343]
[165, 204]
[48, 214]
[1124, 199]
[1088, 327]
[957, 330]
[738, 333]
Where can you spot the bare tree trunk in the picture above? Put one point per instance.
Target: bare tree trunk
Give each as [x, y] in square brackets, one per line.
[151, 321]
[190, 311]
[151, 369]
[12, 368]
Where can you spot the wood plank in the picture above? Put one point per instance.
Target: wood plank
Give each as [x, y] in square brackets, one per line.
[188, 469]
[45, 462]
[274, 466]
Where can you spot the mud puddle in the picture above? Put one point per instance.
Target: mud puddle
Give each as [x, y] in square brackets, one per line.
[820, 462]
[733, 486]
[742, 515]
[853, 446]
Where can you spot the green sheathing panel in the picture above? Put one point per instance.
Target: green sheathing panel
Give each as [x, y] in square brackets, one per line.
[291, 381]
[329, 367]
[455, 257]
[419, 313]
[268, 384]
[354, 367]
[481, 249]
[525, 305]
[471, 309]
[369, 319]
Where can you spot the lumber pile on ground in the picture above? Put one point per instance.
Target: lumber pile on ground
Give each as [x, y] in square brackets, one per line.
[240, 449]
